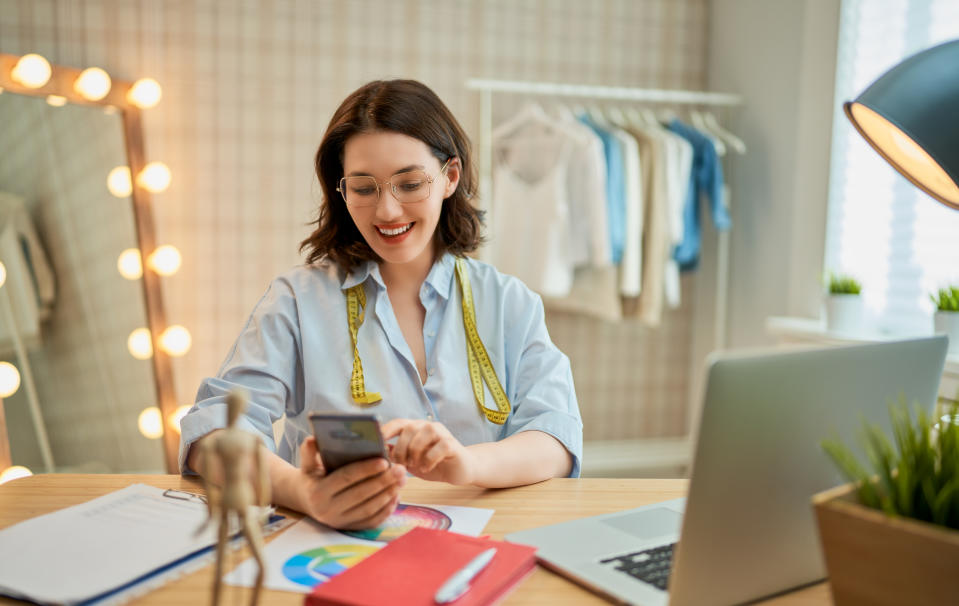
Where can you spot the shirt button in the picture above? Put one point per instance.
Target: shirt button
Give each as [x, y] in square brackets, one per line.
[429, 417]
[431, 334]
[431, 372]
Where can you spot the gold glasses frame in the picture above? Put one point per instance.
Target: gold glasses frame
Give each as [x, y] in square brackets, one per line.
[341, 186]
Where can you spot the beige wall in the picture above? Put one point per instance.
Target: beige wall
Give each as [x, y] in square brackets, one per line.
[248, 90]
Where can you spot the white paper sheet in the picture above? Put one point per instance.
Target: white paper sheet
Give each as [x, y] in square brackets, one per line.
[83, 551]
[308, 553]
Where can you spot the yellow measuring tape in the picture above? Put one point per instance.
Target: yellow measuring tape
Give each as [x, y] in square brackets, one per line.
[480, 367]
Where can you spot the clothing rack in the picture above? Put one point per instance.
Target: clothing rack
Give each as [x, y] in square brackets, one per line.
[486, 88]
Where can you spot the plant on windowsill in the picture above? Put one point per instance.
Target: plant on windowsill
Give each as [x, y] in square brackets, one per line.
[844, 304]
[946, 318]
[891, 536]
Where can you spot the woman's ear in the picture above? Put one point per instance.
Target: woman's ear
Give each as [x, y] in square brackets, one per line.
[452, 177]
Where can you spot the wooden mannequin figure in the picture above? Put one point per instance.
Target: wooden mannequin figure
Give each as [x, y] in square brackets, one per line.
[234, 450]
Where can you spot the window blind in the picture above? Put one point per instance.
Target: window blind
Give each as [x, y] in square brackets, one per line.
[901, 244]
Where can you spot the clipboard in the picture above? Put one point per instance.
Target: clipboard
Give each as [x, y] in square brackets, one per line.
[111, 549]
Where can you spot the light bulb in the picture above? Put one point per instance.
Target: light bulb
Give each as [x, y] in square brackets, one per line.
[119, 182]
[56, 100]
[32, 71]
[165, 260]
[155, 177]
[9, 379]
[93, 84]
[129, 264]
[3, 274]
[140, 344]
[15, 472]
[151, 423]
[175, 340]
[145, 93]
[178, 414]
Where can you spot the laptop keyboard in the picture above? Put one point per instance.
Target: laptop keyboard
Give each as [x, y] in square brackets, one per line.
[650, 565]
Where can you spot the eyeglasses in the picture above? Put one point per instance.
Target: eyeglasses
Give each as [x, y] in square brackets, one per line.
[407, 187]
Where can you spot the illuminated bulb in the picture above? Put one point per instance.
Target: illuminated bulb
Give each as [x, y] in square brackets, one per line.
[15, 472]
[145, 93]
[155, 177]
[56, 100]
[3, 274]
[150, 423]
[32, 71]
[129, 264]
[119, 182]
[140, 344]
[93, 84]
[9, 379]
[165, 260]
[178, 414]
[175, 340]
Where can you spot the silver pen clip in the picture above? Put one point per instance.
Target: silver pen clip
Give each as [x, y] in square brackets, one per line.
[459, 583]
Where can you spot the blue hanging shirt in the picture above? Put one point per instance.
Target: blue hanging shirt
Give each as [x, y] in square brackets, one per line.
[615, 187]
[706, 180]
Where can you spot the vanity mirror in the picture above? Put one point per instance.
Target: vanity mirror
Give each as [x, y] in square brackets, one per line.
[62, 231]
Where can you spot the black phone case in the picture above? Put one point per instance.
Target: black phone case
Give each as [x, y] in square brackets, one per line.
[347, 438]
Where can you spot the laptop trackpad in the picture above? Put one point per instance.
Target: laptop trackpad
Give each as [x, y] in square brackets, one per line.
[648, 523]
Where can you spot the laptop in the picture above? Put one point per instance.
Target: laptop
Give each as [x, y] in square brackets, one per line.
[746, 528]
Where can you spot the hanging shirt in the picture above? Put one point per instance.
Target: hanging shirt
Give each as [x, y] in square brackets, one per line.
[706, 182]
[531, 224]
[631, 265]
[294, 356]
[615, 187]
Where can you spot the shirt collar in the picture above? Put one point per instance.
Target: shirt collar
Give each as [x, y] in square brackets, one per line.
[440, 277]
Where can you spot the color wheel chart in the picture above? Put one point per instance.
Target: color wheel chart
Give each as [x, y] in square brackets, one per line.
[403, 520]
[316, 566]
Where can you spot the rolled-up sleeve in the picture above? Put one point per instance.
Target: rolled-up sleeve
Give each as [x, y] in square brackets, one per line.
[540, 379]
[265, 362]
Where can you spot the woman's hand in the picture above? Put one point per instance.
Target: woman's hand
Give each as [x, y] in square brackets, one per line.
[430, 451]
[356, 496]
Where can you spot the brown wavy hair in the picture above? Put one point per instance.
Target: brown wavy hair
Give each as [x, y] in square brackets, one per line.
[410, 108]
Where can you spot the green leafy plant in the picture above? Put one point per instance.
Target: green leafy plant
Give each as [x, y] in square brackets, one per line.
[947, 299]
[918, 478]
[840, 284]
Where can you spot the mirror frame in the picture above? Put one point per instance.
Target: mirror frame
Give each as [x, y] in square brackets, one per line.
[61, 83]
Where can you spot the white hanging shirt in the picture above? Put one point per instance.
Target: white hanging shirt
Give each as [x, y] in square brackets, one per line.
[530, 235]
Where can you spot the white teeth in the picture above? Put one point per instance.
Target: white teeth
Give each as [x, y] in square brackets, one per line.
[394, 232]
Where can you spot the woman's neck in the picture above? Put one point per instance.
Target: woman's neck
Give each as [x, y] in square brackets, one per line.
[409, 276]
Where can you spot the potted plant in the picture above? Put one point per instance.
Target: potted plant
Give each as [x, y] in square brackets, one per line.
[844, 304]
[946, 318]
[892, 535]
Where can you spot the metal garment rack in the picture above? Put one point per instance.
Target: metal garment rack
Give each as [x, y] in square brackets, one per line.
[486, 88]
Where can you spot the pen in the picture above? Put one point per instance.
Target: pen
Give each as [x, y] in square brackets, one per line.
[459, 583]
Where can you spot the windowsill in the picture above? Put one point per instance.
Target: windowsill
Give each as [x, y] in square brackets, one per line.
[815, 331]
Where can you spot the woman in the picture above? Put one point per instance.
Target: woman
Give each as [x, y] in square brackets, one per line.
[379, 320]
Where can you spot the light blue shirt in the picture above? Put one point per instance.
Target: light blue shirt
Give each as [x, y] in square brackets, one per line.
[615, 187]
[294, 356]
[706, 179]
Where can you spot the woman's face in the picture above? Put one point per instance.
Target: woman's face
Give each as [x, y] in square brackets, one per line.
[398, 233]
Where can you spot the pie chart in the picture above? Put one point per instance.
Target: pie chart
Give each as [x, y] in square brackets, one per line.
[310, 568]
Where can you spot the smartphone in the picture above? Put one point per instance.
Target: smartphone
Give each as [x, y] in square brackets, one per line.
[345, 438]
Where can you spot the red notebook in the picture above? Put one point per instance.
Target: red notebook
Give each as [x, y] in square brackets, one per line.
[409, 570]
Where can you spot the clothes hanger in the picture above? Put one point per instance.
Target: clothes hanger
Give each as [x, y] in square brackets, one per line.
[735, 142]
[697, 119]
[616, 116]
[532, 113]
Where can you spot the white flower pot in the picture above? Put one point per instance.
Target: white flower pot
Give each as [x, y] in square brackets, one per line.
[947, 322]
[844, 314]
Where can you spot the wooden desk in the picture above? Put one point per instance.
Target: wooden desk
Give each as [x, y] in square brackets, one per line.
[516, 509]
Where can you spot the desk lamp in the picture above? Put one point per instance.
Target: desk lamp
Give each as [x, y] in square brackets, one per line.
[910, 115]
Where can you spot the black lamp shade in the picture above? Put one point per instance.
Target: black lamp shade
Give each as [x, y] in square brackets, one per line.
[910, 115]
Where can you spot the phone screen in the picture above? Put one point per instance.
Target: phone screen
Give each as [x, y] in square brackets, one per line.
[346, 438]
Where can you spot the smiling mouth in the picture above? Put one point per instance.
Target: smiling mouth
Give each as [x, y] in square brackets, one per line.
[395, 231]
